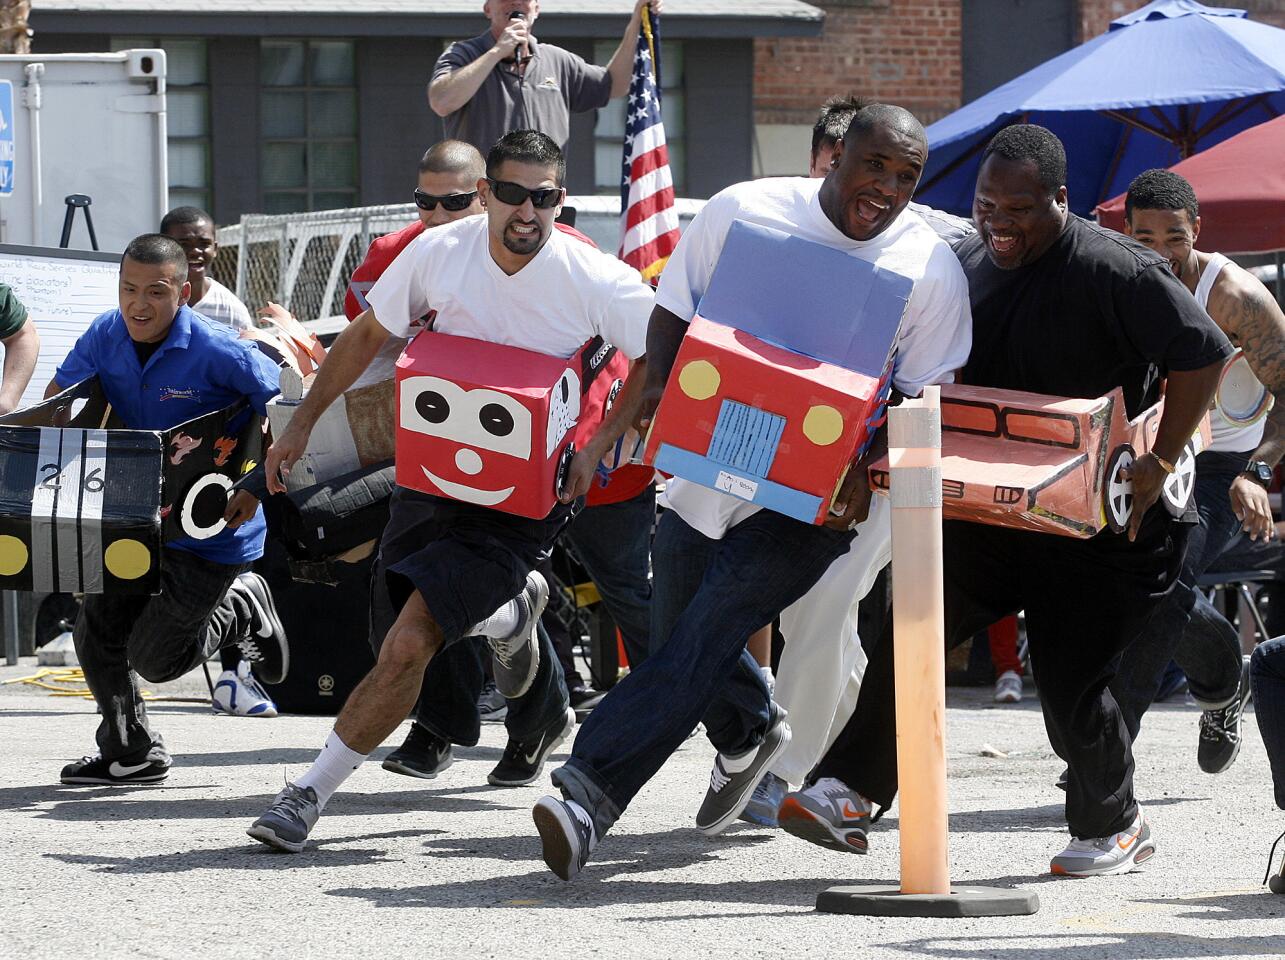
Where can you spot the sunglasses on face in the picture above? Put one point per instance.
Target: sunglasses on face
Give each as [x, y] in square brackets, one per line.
[514, 194]
[454, 202]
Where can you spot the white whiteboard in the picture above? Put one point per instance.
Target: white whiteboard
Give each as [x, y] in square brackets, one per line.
[63, 291]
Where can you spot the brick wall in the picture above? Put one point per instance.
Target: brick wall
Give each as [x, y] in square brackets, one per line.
[1096, 15]
[903, 51]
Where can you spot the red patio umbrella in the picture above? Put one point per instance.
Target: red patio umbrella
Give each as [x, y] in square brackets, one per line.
[1240, 184]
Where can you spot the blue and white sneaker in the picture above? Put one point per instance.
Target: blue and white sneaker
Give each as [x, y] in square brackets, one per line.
[765, 801]
[238, 694]
[289, 820]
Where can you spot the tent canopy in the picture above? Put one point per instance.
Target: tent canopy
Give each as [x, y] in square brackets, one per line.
[1241, 188]
[1165, 82]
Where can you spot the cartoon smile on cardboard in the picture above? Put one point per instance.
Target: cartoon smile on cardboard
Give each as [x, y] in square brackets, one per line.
[455, 424]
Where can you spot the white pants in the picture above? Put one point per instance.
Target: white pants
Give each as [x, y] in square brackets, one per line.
[823, 663]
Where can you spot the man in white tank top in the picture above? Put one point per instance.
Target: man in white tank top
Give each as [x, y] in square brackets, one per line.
[1232, 477]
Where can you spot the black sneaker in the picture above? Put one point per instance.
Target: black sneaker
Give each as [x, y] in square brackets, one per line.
[566, 834]
[423, 755]
[517, 656]
[265, 646]
[146, 766]
[523, 759]
[583, 700]
[1220, 729]
[491, 705]
[1275, 878]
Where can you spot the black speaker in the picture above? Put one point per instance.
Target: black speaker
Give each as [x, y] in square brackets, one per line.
[328, 627]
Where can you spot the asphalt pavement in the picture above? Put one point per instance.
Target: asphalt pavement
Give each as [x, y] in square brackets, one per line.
[452, 868]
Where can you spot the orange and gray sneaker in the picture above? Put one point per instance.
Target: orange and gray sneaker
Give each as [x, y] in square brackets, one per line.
[828, 813]
[1105, 856]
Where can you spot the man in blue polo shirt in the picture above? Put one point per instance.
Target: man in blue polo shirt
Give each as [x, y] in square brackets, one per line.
[160, 364]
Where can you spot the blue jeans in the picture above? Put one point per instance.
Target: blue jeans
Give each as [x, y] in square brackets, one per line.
[709, 596]
[1186, 627]
[613, 541]
[1267, 680]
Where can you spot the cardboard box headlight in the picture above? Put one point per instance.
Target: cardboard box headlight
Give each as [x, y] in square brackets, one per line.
[783, 376]
[86, 504]
[495, 425]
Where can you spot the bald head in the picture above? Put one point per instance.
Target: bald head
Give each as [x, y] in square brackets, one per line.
[886, 116]
[454, 157]
[875, 169]
[448, 174]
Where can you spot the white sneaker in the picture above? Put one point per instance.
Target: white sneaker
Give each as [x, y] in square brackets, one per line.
[1105, 856]
[1008, 687]
[238, 694]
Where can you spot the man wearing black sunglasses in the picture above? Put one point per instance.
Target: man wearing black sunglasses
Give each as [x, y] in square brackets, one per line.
[458, 569]
[503, 80]
[447, 713]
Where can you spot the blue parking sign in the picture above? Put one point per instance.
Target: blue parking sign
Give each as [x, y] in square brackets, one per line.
[7, 151]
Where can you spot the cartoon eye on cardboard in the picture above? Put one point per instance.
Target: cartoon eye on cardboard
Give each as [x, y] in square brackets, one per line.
[481, 418]
[564, 410]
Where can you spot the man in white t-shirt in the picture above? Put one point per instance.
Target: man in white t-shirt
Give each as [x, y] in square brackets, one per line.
[193, 228]
[511, 278]
[723, 566]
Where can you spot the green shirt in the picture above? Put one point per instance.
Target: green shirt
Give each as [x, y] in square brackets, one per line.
[12, 313]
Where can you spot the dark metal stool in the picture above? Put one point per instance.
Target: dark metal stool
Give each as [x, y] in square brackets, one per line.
[1238, 581]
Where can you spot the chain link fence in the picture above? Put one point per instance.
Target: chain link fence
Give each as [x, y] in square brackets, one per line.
[303, 260]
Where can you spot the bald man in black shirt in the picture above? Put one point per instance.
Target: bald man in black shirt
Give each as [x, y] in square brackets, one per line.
[1062, 307]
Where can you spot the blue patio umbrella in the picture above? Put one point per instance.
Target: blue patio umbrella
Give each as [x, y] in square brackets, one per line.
[1166, 81]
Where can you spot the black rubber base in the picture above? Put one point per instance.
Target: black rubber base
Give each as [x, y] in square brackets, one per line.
[960, 902]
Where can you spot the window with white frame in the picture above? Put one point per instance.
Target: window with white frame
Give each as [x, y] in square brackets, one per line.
[609, 133]
[187, 105]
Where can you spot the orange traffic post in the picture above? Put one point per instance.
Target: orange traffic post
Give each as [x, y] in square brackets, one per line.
[918, 615]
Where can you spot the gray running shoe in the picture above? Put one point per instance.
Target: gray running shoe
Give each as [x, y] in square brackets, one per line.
[517, 656]
[828, 813]
[1220, 729]
[491, 705]
[1106, 856]
[288, 821]
[765, 802]
[567, 835]
[728, 792]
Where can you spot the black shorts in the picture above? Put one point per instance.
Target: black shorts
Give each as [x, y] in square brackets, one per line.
[464, 560]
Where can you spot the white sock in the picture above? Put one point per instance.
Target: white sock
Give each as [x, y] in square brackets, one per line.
[500, 624]
[769, 678]
[737, 764]
[335, 764]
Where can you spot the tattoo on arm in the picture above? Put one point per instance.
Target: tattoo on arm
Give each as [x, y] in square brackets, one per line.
[1259, 325]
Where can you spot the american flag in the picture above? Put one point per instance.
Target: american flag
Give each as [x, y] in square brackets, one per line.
[649, 222]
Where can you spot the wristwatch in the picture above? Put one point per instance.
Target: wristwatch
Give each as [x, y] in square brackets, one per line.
[1260, 471]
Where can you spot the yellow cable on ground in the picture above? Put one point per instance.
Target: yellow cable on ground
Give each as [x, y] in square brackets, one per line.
[48, 678]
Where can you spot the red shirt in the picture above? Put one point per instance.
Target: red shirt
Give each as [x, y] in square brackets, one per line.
[625, 483]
